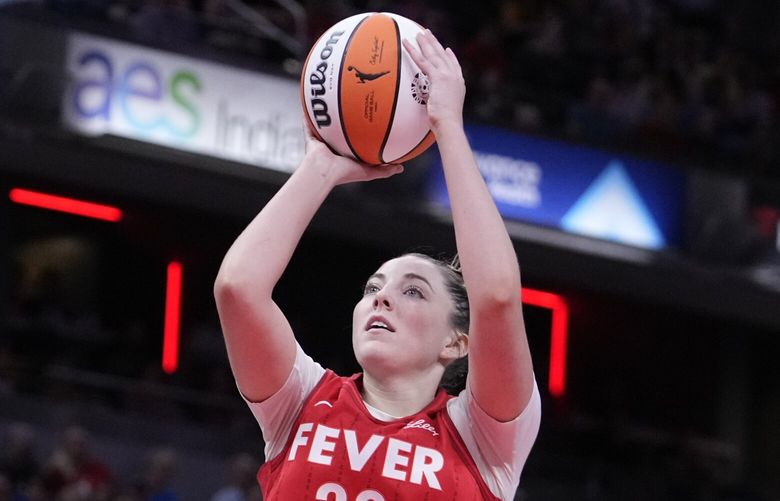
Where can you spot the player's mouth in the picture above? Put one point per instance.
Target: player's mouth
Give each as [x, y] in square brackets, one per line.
[379, 323]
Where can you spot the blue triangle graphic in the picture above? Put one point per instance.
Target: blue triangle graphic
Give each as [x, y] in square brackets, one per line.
[612, 209]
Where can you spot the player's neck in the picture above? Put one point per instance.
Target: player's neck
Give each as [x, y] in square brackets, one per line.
[400, 396]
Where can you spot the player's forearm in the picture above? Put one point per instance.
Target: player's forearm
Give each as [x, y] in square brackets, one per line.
[261, 253]
[259, 340]
[490, 267]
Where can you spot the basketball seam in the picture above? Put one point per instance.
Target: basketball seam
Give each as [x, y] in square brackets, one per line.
[397, 90]
[425, 138]
[341, 79]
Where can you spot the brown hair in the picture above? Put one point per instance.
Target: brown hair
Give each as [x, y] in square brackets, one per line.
[454, 379]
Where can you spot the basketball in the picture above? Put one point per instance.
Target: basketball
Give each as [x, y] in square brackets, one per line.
[361, 92]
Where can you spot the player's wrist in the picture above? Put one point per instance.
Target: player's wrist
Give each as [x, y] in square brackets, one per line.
[447, 127]
[322, 165]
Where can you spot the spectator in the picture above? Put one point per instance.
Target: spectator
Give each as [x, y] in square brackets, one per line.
[158, 476]
[73, 473]
[241, 484]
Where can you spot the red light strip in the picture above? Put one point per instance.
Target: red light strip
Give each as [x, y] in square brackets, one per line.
[170, 355]
[558, 336]
[64, 204]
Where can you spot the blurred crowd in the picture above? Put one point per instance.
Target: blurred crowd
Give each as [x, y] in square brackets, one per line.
[695, 81]
[41, 461]
[667, 76]
[71, 470]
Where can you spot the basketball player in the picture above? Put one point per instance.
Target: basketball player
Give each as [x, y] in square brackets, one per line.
[390, 432]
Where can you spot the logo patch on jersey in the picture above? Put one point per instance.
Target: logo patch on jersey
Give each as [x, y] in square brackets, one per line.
[324, 402]
[420, 423]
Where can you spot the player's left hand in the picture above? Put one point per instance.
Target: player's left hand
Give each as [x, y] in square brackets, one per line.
[447, 87]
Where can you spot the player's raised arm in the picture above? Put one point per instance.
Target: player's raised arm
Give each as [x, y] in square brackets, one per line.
[500, 370]
[259, 340]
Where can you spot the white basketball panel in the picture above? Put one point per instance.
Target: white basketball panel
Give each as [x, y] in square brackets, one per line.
[410, 122]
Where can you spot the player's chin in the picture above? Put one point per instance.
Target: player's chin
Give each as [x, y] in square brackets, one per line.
[376, 356]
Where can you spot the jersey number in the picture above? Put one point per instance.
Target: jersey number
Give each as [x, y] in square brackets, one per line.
[325, 490]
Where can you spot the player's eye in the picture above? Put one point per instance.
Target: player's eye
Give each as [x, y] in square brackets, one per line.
[414, 291]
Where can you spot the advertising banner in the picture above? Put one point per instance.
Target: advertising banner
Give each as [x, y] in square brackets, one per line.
[576, 189]
[184, 103]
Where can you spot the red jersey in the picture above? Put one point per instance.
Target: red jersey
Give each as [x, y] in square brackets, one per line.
[337, 451]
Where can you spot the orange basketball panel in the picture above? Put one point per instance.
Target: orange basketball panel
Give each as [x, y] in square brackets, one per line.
[369, 86]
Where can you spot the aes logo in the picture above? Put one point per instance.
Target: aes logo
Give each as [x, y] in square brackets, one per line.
[145, 96]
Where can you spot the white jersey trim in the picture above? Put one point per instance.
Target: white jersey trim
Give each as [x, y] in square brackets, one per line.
[276, 415]
[500, 449]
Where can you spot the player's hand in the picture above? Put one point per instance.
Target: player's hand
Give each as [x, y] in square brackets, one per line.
[341, 169]
[447, 89]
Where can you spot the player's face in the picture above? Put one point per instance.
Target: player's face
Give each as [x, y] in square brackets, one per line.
[402, 321]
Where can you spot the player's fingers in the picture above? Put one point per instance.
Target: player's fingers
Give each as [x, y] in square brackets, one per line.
[434, 41]
[387, 170]
[430, 48]
[452, 59]
[418, 58]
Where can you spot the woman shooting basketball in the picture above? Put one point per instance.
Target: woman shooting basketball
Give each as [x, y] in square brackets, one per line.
[389, 432]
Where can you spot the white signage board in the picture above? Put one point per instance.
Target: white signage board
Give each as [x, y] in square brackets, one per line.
[181, 102]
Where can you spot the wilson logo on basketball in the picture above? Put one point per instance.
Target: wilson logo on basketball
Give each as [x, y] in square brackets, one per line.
[366, 77]
[317, 78]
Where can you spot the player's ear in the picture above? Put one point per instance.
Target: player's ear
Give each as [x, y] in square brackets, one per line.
[457, 345]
